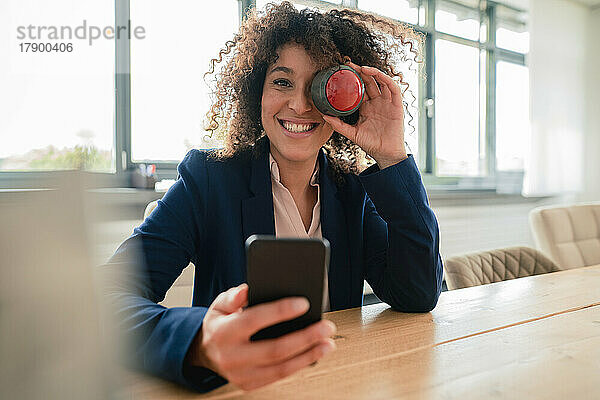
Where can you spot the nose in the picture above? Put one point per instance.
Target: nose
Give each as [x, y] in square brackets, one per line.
[301, 101]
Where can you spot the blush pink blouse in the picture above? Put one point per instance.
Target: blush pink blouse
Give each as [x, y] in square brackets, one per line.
[288, 222]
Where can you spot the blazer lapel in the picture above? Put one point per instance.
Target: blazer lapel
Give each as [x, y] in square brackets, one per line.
[334, 229]
[257, 210]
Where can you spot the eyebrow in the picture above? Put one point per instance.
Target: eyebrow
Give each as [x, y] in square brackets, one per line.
[282, 69]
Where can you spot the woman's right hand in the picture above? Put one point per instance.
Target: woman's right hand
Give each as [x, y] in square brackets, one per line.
[223, 344]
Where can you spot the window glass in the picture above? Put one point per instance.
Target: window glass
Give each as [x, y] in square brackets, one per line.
[459, 18]
[512, 115]
[482, 108]
[411, 98]
[302, 4]
[169, 97]
[512, 32]
[58, 105]
[457, 139]
[401, 10]
[512, 40]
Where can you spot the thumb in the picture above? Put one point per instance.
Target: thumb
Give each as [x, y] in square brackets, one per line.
[232, 300]
[340, 126]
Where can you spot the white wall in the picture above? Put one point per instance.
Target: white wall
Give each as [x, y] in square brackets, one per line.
[558, 80]
[476, 225]
[592, 143]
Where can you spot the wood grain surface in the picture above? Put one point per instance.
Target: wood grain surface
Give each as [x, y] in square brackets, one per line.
[535, 337]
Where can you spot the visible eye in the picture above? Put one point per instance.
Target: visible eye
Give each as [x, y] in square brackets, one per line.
[282, 83]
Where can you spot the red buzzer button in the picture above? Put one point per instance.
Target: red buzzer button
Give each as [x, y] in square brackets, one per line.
[344, 90]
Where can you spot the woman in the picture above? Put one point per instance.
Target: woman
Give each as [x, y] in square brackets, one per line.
[286, 169]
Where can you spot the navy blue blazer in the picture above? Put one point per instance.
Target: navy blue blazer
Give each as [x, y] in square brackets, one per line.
[379, 225]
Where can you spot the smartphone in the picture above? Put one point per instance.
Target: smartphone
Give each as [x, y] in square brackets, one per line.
[278, 268]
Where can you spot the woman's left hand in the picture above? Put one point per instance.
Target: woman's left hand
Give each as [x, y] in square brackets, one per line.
[380, 127]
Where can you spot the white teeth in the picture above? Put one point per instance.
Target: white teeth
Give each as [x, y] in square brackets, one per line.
[297, 128]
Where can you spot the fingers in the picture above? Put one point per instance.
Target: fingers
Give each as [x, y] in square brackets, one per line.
[383, 79]
[386, 93]
[339, 126]
[232, 300]
[261, 316]
[371, 88]
[225, 345]
[265, 375]
[275, 351]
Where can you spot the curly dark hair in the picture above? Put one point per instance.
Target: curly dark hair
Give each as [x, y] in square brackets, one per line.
[330, 38]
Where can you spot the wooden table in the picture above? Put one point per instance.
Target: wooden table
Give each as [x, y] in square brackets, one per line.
[535, 337]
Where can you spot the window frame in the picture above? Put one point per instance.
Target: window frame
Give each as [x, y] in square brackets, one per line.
[494, 54]
[124, 166]
[164, 169]
[121, 177]
[426, 139]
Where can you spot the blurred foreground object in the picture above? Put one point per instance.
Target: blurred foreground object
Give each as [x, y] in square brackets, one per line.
[50, 341]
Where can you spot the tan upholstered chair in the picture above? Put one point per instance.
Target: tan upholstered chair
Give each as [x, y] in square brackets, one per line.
[569, 235]
[149, 208]
[180, 294]
[495, 266]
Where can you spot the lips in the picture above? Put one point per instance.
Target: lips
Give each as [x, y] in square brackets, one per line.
[298, 126]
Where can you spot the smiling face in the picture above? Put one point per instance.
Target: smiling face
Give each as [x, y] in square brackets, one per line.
[293, 124]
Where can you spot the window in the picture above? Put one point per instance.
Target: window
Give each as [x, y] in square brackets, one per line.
[512, 129]
[458, 18]
[301, 4]
[469, 115]
[412, 100]
[401, 10]
[469, 111]
[457, 130]
[479, 94]
[411, 12]
[511, 30]
[58, 107]
[169, 97]
[512, 115]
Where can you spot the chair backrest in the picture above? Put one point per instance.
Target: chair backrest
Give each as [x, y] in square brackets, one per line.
[149, 208]
[495, 266]
[569, 235]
